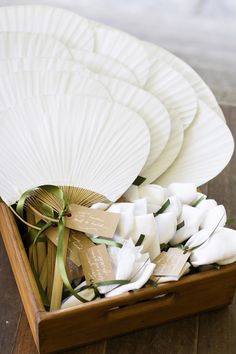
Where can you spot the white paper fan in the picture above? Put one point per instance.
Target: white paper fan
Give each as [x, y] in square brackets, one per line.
[147, 106]
[201, 89]
[169, 153]
[64, 25]
[21, 45]
[74, 141]
[124, 48]
[17, 86]
[207, 148]
[173, 90]
[8, 65]
[100, 64]
[26, 84]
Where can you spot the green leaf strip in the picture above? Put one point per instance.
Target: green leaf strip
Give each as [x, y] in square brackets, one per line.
[140, 240]
[163, 208]
[138, 181]
[180, 225]
[107, 241]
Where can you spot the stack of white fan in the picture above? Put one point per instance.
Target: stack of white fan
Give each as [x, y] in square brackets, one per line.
[86, 105]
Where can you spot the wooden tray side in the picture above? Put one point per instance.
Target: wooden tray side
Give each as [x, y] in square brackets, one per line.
[21, 268]
[125, 313]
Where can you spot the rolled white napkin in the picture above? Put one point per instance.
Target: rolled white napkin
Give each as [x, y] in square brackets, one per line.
[123, 259]
[126, 222]
[132, 193]
[166, 226]
[206, 205]
[186, 192]
[71, 301]
[155, 196]
[146, 225]
[220, 248]
[227, 261]
[199, 238]
[192, 218]
[124, 262]
[175, 206]
[140, 206]
[214, 216]
[133, 223]
[136, 282]
[200, 198]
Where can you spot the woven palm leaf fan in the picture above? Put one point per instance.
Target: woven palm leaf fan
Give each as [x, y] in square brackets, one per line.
[201, 89]
[124, 48]
[82, 142]
[207, 148]
[66, 26]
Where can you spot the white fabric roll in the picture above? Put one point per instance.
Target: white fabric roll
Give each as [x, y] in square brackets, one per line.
[220, 248]
[192, 218]
[166, 226]
[186, 192]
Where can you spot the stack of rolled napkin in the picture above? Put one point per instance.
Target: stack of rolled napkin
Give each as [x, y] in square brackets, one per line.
[176, 216]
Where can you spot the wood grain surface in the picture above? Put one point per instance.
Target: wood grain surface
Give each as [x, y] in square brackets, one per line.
[211, 333]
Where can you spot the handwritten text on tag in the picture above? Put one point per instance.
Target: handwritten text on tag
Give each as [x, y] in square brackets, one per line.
[170, 263]
[92, 221]
[96, 264]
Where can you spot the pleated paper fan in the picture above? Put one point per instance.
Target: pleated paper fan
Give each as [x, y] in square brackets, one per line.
[20, 85]
[66, 26]
[173, 90]
[168, 155]
[16, 45]
[81, 142]
[207, 148]
[124, 48]
[103, 65]
[148, 107]
[9, 65]
[201, 89]
[26, 84]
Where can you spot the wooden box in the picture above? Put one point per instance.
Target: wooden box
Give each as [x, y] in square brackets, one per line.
[104, 318]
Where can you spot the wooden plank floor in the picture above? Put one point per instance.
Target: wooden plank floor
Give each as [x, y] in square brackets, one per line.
[210, 333]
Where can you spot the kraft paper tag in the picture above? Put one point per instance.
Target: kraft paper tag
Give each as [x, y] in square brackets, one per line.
[96, 264]
[77, 242]
[170, 263]
[92, 221]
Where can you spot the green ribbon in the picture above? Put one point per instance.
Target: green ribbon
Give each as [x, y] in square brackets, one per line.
[60, 259]
[163, 208]
[37, 237]
[57, 193]
[198, 201]
[140, 240]
[138, 181]
[180, 225]
[107, 241]
[21, 202]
